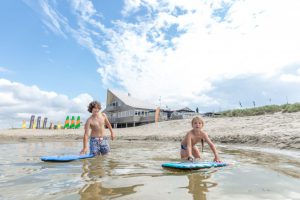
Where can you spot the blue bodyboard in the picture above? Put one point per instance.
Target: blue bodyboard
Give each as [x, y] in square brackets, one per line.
[65, 158]
[192, 165]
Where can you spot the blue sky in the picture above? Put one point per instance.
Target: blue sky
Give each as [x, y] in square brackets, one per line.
[57, 56]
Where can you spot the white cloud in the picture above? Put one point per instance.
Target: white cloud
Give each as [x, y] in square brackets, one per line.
[85, 7]
[257, 37]
[18, 102]
[53, 20]
[3, 69]
[292, 78]
[178, 49]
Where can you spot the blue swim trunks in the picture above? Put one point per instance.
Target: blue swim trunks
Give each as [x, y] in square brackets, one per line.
[183, 147]
[99, 145]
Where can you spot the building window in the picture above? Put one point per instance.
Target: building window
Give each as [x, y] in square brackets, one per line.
[131, 113]
[115, 104]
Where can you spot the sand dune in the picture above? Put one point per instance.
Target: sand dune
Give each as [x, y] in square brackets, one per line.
[280, 130]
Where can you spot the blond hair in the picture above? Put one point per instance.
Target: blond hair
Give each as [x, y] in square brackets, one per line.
[197, 118]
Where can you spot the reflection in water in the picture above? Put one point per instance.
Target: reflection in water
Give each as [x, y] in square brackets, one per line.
[93, 169]
[282, 164]
[199, 185]
[94, 173]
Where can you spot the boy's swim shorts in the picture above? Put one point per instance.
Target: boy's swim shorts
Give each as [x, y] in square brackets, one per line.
[99, 145]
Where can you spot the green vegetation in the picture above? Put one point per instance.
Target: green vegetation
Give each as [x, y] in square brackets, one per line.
[269, 109]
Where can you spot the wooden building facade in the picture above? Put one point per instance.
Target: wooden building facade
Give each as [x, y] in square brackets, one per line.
[123, 110]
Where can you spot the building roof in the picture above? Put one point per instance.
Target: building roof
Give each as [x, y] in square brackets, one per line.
[128, 100]
[185, 109]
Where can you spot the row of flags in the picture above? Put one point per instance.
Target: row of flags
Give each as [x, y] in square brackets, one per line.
[42, 123]
[36, 124]
[72, 125]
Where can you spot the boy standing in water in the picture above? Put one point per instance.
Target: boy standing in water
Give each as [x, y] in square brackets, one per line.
[98, 142]
[189, 150]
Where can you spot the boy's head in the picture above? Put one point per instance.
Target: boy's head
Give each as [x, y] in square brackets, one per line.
[94, 104]
[197, 120]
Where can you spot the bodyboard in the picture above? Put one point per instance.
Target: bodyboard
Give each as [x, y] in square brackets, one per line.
[65, 158]
[192, 165]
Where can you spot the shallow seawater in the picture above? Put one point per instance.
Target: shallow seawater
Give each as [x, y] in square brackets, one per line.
[133, 171]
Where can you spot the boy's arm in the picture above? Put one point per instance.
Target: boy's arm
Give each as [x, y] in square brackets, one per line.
[189, 145]
[85, 137]
[107, 123]
[212, 147]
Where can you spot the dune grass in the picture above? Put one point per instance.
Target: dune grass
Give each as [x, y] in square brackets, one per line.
[268, 109]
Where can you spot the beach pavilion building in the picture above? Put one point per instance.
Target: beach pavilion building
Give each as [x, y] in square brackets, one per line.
[183, 113]
[123, 110]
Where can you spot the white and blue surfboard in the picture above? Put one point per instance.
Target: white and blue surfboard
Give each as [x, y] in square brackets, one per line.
[192, 165]
[65, 158]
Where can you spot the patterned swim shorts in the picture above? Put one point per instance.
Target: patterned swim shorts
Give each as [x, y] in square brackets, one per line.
[99, 145]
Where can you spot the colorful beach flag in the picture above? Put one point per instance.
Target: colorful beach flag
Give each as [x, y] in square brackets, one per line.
[23, 124]
[45, 122]
[34, 124]
[38, 123]
[59, 125]
[157, 114]
[77, 122]
[31, 121]
[72, 122]
[67, 122]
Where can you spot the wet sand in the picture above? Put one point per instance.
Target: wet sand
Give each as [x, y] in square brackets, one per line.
[279, 130]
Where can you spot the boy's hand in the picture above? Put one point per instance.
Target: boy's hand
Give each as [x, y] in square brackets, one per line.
[216, 159]
[112, 136]
[84, 151]
[190, 158]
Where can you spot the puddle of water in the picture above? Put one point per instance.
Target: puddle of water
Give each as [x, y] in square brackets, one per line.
[133, 171]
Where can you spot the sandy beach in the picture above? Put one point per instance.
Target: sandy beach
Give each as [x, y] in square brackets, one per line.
[279, 130]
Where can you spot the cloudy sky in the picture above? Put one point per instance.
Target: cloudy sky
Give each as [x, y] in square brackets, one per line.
[57, 56]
